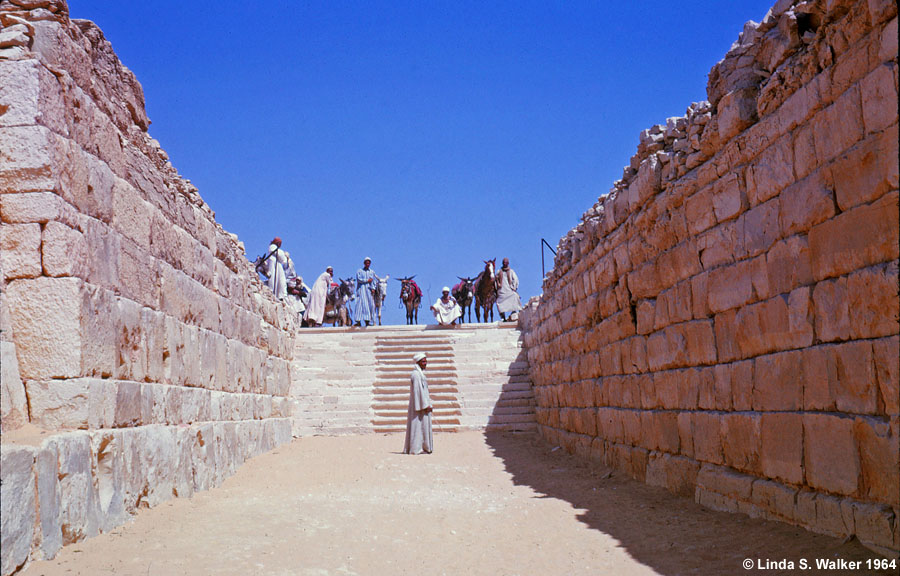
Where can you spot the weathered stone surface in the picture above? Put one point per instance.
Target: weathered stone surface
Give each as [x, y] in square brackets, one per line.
[13, 403]
[828, 439]
[20, 251]
[17, 504]
[49, 499]
[47, 324]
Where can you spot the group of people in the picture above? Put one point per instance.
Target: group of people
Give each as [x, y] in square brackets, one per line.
[310, 303]
[446, 309]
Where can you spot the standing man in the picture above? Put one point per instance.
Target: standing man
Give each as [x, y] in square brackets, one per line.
[507, 298]
[315, 310]
[445, 308]
[276, 262]
[418, 416]
[365, 294]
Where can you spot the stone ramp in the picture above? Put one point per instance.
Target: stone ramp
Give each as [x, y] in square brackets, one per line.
[356, 380]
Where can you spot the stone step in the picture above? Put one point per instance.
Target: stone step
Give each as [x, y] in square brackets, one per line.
[398, 413]
[511, 410]
[381, 422]
[512, 427]
[510, 418]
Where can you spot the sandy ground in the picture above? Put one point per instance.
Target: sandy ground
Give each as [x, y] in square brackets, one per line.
[482, 504]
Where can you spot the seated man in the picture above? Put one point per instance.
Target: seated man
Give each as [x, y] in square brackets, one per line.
[445, 308]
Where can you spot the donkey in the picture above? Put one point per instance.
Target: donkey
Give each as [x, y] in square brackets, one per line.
[485, 292]
[336, 304]
[380, 294]
[411, 297]
[464, 292]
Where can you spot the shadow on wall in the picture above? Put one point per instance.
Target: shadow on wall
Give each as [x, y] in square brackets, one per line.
[514, 409]
[672, 535]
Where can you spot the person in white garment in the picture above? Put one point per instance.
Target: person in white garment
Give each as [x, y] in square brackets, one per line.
[276, 263]
[445, 308]
[418, 416]
[315, 309]
[508, 302]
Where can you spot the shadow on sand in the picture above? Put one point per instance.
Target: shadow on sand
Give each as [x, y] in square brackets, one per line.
[673, 535]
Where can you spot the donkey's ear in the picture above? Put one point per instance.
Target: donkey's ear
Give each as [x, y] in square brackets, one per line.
[411, 277]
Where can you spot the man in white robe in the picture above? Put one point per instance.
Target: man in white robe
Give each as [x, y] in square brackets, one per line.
[315, 310]
[445, 308]
[364, 311]
[418, 416]
[508, 301]
[276, 261]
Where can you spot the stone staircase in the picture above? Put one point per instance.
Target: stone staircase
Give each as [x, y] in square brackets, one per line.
[356, 380]
[393, 357]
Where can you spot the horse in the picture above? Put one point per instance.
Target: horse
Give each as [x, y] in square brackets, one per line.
[336, 304]
[485, 292]
[411, 297]
[464, 292]
[381, 287]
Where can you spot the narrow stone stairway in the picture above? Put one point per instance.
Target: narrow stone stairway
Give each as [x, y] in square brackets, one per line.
[393, 360]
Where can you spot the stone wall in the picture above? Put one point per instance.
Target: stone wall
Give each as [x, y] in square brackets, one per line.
[133, 324]
[724, 323]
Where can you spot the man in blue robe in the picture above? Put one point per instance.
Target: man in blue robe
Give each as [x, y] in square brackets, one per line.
[365, 295]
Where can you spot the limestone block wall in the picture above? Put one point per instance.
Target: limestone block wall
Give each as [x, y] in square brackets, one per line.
[725, 321]
[132, 322]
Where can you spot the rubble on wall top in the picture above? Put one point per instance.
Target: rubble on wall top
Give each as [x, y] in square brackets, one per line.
[737, 84]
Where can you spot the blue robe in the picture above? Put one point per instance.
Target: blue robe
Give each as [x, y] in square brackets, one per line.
[365, 299]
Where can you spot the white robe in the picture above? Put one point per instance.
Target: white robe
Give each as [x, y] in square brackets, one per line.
[507, 298]
[418, 422]
[275, 271]
[315, 310]
[446, 312]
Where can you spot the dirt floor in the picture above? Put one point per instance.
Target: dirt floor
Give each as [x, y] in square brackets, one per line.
[498, 504]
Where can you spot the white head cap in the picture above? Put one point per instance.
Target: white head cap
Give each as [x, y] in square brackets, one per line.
[445, 289]
[419, 357]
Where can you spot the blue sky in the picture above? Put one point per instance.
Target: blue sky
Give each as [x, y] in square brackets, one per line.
[428, 135]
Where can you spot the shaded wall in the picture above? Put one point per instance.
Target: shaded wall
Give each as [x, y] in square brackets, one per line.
[725, 322]
[134, 328]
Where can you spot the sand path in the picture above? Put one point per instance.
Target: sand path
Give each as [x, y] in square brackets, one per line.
[482, 504]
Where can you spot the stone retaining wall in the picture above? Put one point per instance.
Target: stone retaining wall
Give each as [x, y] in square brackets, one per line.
[127, 312]
[725, 322]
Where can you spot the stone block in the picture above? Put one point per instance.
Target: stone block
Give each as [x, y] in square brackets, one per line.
[725, 482]
[879, 455]
[128, 404]
[46, 318]
[873, 525]
[13, 402]
[729, 287]
[867, 171]
[839, 126]
[39, 207]
[20, 251]
[775, 498]
[736, 111]
[707, 434]
[59, 404]
[873, 298]
[17, 504]
[700, 295]
[109, 476]
[779, 323]
[728, 197]
[760, 228]
[49, 500]
[699, 212]
[831, 456]
[102, 395]
[771, 172]
[781, 451]
[79, 512]
[20, 94]
[887, 370]
[788, 265]
[158, 452]
[879, 99]
[99, 355]
[131, 355]
[64, 251]
[806, 203]
[832, 311]
[27, 153]
[131, 214]
[741, 442]
[860, 237]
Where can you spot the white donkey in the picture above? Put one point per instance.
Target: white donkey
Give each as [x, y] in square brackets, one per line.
[380, 295]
